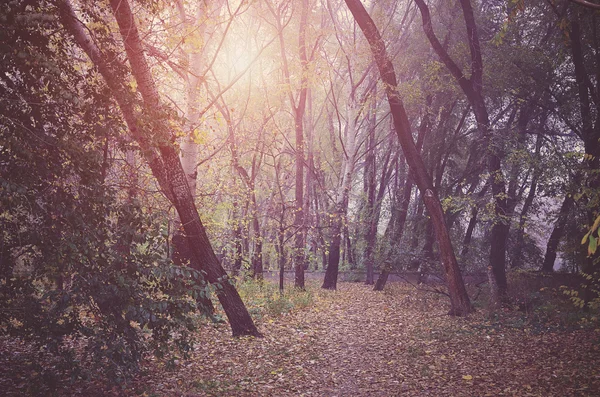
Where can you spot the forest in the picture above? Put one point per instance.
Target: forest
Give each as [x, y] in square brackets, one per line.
[300, 197]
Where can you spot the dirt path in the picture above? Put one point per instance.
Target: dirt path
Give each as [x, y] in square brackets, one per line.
[354, 342]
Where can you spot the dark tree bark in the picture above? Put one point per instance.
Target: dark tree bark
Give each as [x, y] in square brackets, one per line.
[557, 233]
[520, 235]
[459, 299]
[472, 88]
[399, 214]
[160, 153]
[590, 120]
[183, 256]
[333, 259]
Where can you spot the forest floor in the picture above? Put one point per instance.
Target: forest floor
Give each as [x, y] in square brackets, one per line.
[400, 342]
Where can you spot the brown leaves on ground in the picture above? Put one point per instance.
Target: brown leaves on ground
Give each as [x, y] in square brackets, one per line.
[356, 342]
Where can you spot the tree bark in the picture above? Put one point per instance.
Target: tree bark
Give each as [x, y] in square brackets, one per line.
[189, 147]
[520, 235]
[164, 162]
[343, 196]
[472, 88]
[556, 235]
[369, 212]
[459, 299]
[400, 212]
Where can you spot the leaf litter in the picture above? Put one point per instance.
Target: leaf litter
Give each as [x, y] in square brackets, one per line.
[357, 342]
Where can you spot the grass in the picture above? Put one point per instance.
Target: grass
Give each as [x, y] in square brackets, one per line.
[263, 298]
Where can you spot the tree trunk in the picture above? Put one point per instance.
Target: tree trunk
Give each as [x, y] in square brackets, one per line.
[556, 235]
[400, 212]
[369, 216]
[459, 299]
[165, 165]
[375, 196]
[299, 217]
[333, 260]
[466, 245]
[472, 222]
[472, 88]
[342, 198]
[520, 235]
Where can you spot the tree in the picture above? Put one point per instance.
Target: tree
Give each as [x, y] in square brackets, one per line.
[298, 104]
[459, 300]
[159, 151]
[81, 260]
[472, 88]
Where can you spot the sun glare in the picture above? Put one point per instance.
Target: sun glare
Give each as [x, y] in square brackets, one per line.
[237, 53]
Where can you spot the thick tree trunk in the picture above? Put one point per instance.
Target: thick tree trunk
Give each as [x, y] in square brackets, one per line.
[459, 299]
[333, 260]
[165, 164]
[590, 120]
[189, 147]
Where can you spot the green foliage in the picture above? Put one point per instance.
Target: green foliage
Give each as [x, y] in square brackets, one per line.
[264, 299]
[587, 295]
[83, 273]
[541, 302]
[591, 237]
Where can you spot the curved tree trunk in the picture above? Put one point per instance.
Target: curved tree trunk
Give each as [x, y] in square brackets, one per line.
[459, 299]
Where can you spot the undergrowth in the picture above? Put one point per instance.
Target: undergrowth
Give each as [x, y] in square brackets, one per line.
[538, 302]
[263, 298]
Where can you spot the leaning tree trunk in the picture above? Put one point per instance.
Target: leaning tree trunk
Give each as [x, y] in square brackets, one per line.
[190, 149]
[397, 230]
[459, 299]
[160, 153]
[520, 235]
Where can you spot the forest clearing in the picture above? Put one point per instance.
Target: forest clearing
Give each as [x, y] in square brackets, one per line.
[357, 342]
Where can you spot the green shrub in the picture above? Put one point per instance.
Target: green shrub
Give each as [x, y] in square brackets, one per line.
[263, 298]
